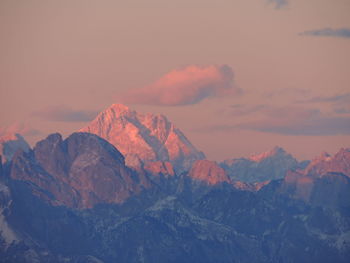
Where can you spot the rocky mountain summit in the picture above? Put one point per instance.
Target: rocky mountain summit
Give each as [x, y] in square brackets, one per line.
[325, 181]
[326, 163]
[269, 165]
[144, 137]
[78, 172]
[209, 172]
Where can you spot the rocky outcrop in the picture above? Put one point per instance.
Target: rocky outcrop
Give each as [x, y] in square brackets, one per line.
[8, 235]
[325, 163]
[81, 171]
[10, 144]
[159, 168]
[209, 172]
[325, 181]
[144, 137]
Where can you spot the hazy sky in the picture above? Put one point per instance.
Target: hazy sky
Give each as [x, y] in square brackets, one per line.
[236, 76]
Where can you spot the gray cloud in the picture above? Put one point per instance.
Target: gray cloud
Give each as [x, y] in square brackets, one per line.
[291, 92]
[65, 114]
[340, 103]
[342, 110]
[336, 98]
[318, 126]
[289, 120]
[279, 4]
[328, 32]
[185, 86]
[279, 113]
[241, 110]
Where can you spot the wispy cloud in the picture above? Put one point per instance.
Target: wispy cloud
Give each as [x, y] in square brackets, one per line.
[279, 4]
[328, 32]
[290, 120]
[342, 109]
[286, 113]
[335, 98]
[290, 92]
[65, 114]
[314, 126]
[185, 86]
[241, 110]
[340, 103]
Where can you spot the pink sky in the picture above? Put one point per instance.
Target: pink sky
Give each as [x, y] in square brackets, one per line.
[286, 79]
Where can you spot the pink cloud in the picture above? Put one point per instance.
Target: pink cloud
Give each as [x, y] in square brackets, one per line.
[280, 114]
[185, 86]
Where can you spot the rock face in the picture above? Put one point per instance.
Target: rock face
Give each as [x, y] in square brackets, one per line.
[325, 181]
[7, 234]
[160, 168]
[339, 163]
[10, 144]
[81, 171]
[146, 137]
[209, 172]
[269, 165]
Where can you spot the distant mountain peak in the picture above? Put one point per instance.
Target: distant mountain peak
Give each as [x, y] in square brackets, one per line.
[339, 162]
[147, 137]
[273, 152]
[114, 112]
[343, 152]
[261, 167]
[119, 109]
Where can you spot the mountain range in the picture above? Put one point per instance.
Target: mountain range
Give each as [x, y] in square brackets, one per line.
[130, 187]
